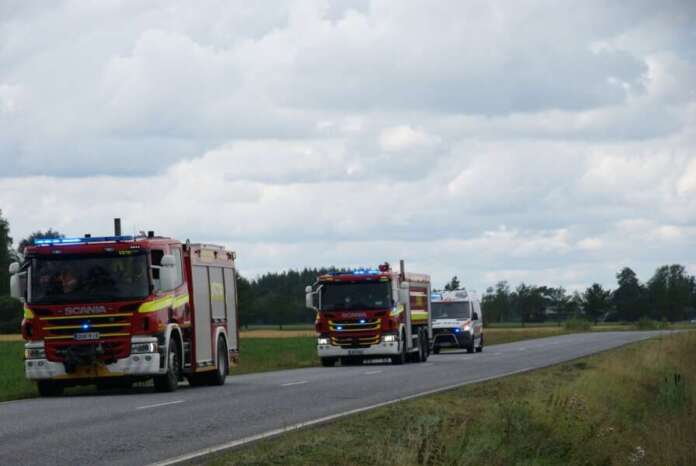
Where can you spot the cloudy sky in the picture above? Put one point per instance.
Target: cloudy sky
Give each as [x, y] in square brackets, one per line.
[539, 141]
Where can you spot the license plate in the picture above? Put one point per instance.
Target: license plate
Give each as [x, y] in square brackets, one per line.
[355, 352]
[87, 336]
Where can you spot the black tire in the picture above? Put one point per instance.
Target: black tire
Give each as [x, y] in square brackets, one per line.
[169, 381]
[218, 376]
[328, 362]
[436, 349]
[401, 358]
[424, 345]
[49, 388]
[479, 348]
[470, 348]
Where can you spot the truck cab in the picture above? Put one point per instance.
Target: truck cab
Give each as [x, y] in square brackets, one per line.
[457, 321]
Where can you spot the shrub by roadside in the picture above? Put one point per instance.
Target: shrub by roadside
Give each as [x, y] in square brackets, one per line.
[578, 325]
[10, 314]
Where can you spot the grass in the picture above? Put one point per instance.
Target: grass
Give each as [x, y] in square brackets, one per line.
[13, 385]
[269, 354]
[630, 406]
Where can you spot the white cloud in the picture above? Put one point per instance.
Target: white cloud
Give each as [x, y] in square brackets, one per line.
[488, 140]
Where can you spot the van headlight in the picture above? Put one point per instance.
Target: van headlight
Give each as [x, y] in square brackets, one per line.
[389, 338]
[322, 341]
[34, 353]
[137, 348]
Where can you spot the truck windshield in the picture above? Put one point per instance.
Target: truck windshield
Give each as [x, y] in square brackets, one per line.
[451, 310]
[82, 278]
[355, 296]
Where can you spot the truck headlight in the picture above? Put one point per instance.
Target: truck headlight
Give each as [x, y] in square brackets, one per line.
[467, 327]
[150, 347]
[389, 338]
[34, 353]
[322, 341]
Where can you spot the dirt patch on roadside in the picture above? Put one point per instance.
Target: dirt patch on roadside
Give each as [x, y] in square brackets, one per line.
[10, 337]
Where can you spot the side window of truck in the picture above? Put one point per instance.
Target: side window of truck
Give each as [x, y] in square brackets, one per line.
[176, 252]
[156, 261]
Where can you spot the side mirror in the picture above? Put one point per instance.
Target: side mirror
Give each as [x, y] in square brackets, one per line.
[475, 316]
[17, 282]
[309, 297]
[167, 273]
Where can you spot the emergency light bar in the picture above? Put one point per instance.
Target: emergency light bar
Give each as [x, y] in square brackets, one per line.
[99, 239]
[357, 272]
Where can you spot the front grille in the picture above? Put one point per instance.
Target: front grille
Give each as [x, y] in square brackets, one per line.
[114, 337]
[352, 326]
[65, 327]
[351, 334]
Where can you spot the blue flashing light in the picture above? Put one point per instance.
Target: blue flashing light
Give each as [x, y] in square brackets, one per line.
[339, 328]
[362, 321]
[99, 239]
[457, 330]
[85, 326]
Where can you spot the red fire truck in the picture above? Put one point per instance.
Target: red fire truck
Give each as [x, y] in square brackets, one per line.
[115, 310]
[372, 313]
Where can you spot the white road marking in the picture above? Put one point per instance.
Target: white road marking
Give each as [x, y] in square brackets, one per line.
[301, 425]
[372, 372]
[160, 404]
[289, 384]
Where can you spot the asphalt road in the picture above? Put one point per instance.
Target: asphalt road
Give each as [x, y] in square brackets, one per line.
[143, 427]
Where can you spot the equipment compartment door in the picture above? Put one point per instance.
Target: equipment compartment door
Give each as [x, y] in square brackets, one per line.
[231, 304]
[202, 317]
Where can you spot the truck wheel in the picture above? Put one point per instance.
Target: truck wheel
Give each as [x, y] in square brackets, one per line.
[423, 346]
[218, 377]
[170, 381]
[401, 358]
[328, 362]
[436, 349]
[49, 388]
[480, 346]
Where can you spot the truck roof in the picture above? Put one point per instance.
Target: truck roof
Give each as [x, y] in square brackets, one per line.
[373, 274]
[86, 245]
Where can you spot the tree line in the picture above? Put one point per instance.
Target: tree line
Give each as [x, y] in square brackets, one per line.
[277, 298]
[669, 295]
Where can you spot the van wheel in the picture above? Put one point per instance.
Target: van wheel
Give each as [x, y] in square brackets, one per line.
[169, 382]
[436, 349]
[471, 347]
[218, 377]
[480, 346]
[49, 388]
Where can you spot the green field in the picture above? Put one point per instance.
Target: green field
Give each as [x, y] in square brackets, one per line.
[634, 405]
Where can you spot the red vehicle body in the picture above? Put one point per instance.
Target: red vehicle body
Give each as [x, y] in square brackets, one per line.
[375, 313]
[114, 310]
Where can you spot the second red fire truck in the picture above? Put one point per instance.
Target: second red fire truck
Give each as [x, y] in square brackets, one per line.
[372, 313]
